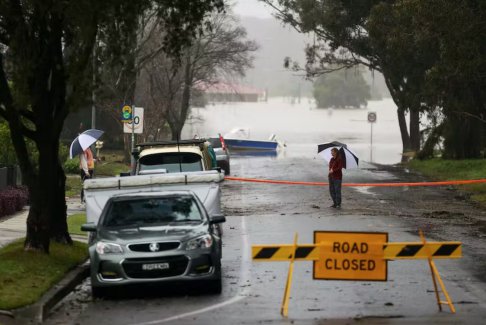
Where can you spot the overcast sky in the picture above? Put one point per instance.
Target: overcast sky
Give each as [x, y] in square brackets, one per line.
[252, 8]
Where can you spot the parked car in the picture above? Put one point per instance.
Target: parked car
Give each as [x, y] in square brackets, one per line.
[172, 157]
[149, 237]
[222, 153]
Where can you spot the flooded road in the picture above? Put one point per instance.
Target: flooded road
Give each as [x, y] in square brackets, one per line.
[301, 126]
[271, 214]
[259, 213]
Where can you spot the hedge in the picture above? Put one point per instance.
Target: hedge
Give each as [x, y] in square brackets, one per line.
[13, 199]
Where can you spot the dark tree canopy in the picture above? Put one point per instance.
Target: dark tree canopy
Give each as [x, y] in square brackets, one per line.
[45, 49]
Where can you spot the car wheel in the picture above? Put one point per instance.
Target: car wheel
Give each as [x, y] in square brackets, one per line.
[99, 292]
[226, 168]
[215, 286]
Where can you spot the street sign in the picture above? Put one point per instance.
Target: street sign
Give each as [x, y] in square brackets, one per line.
[126, 116]
[137, 122]
[371, 117]
[350, 256]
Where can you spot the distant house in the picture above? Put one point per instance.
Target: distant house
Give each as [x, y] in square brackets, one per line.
[226, 92]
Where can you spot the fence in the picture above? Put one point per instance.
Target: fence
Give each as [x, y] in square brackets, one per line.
[10, 176]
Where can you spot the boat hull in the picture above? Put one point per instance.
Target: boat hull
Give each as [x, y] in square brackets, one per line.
[243, 144]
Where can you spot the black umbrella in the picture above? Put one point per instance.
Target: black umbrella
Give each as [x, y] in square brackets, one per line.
[350, 160]
[83, 141]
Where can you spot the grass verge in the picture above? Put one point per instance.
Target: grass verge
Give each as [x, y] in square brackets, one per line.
[440, 169]
[26, 276]
[73, 185]
[74, 224]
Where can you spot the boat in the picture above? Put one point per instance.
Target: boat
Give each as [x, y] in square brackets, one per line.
[238, 139]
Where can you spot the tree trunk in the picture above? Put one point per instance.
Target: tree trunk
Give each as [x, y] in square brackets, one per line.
[185, 100]
[402, 123]
[59, 228]
[415, 130]
[47, 215]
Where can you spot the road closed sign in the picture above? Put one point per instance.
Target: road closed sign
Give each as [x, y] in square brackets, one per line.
[350, 256]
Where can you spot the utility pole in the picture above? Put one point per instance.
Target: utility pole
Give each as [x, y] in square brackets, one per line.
[132, 159]
[93, 96]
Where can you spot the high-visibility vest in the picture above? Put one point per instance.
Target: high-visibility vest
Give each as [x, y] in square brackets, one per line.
[89, 157]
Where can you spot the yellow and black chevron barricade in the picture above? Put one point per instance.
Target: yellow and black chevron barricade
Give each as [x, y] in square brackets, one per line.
[357, 256]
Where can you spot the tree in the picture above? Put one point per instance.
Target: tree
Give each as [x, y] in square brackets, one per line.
[222, 51]
[343, 39]
[434, 42]
[342, 88]
[48, 46]
[431, 53]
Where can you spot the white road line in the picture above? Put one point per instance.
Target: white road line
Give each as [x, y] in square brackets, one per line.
[244, 280]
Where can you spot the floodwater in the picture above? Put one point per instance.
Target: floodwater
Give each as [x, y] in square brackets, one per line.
[301, 126]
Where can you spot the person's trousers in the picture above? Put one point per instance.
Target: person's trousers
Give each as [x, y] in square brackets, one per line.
[335, 190]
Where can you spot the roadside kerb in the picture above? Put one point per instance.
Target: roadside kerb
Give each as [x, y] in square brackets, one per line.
[39, 311]
[14, 227]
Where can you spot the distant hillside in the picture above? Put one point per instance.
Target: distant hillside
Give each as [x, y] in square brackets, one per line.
[277, 42]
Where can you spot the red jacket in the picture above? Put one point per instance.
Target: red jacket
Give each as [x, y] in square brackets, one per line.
[337, 166]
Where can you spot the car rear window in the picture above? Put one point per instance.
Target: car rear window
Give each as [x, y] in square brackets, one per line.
[173, 162]
[152, 211]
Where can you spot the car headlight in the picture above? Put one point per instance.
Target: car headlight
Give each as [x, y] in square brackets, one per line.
[108, 248]
[205, 241]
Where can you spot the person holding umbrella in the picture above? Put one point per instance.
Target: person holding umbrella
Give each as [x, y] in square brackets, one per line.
[339, 156]
[80, 147]
[335, 178]
[86, 164]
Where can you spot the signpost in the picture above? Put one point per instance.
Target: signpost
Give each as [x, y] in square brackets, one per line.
[371, 120]
[132, 118]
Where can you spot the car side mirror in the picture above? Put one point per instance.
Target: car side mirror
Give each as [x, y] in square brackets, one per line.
[91, 227]
[217, 168]
[217, 218]
[124, 174]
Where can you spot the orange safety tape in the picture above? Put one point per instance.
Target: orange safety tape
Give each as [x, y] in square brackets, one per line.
[256, 180]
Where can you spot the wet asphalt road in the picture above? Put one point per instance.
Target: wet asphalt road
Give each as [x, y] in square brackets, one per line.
[271, 214]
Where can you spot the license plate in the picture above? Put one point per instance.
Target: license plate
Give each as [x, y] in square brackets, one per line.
[155, 266]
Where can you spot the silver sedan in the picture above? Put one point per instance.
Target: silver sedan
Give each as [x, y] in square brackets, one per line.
[154, 237]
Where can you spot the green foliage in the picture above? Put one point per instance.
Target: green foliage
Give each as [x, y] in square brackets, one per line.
[7, 154]
[442, 169]
[26, 276]
[71, 166]
[343, 88]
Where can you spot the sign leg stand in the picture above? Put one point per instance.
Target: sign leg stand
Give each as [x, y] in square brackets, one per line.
[436, 277]
[284, 310]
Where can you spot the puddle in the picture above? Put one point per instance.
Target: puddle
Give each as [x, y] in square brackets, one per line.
[364, 190]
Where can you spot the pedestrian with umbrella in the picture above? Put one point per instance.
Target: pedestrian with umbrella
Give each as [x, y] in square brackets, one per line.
[339, 156]
[81, 147]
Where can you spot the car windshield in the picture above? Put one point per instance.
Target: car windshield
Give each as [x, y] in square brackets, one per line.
[152, 211]
[173, 162]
